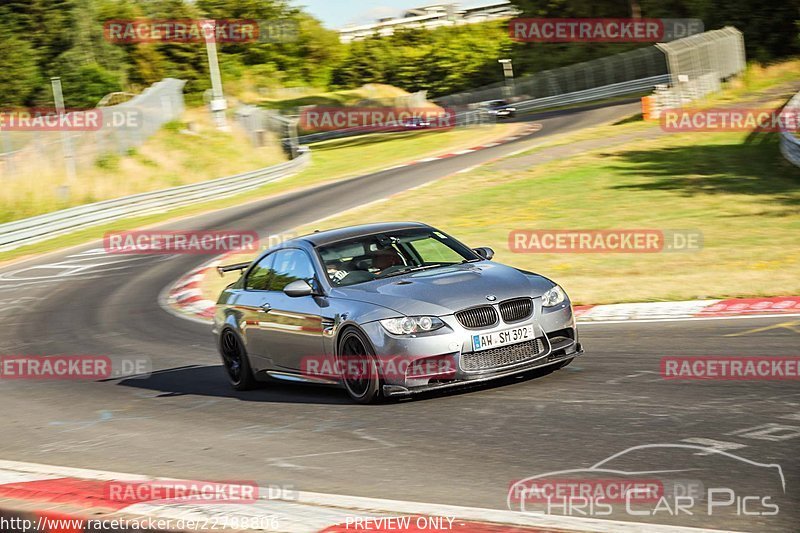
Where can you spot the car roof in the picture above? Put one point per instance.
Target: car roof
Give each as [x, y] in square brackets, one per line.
[322, 238]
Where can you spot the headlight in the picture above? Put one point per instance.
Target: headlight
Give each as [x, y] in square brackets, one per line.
[411, 324]
[554, 296]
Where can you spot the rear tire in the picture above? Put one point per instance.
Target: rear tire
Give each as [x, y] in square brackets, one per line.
[235, 361]
[356, 352]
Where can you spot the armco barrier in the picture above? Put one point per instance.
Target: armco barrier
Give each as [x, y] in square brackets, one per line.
[598, 93]
[43, 227]
[790, 144]
[474, 116]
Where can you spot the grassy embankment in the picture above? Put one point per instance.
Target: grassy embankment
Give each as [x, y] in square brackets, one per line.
[734, 187]
[173, 157]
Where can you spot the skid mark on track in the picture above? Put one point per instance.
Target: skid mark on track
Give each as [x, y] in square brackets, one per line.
[635, 375]
[82, 445]
[714, 444]
[793, 326]
[324, 454]
[258, 431]
[293, 461]
[362, 434]
[771, 431]
[85, 266]
[102, 417]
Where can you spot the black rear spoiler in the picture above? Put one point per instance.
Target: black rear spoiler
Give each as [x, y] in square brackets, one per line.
[221, 270]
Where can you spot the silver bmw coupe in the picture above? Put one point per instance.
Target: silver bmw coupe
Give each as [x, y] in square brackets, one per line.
[388, 310]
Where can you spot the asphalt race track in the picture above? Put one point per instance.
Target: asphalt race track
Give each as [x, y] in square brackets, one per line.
[462, 448]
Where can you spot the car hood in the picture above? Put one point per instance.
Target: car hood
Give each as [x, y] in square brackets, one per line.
[445, 290]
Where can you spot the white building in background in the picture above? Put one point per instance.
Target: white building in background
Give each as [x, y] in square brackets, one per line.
[430, 17]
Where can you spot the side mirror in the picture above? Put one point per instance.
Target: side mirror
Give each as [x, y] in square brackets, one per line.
[485, 252]
[298, 288]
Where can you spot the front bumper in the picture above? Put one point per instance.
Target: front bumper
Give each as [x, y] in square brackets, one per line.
[391, 391]
[409, 357]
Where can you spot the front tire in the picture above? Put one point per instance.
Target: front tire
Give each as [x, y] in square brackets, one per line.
[235, 361]
[355, 352]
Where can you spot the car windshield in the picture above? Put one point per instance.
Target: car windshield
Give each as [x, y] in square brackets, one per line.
[392, 253]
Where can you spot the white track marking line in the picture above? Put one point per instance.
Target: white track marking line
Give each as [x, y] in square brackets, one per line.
[644, 321]
[308, 512]
[517, 152]
[468, 169]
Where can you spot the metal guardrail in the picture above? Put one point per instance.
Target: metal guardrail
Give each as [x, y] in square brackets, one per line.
[474, 116]
[790, 144]
[43, 227]
[597, 93]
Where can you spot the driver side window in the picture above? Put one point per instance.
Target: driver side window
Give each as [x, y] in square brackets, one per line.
[259, 276]
[290, 265]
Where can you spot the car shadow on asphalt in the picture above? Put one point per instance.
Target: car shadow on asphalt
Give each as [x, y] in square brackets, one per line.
[210, 381]
[197, 380]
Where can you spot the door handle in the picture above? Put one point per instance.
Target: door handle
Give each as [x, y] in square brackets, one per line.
[265, 308]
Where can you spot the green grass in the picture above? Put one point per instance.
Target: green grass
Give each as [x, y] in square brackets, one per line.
[756, 79]
[169, 158]
[734, 187]
[372, 92]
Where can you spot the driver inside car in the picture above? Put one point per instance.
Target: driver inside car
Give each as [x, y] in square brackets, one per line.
[384, 258]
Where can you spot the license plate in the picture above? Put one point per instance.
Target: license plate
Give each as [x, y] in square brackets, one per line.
[502, 338]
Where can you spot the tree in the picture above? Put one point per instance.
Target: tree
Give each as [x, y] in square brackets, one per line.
[19, 71]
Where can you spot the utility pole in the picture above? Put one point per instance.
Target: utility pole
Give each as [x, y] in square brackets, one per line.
[66, 140]
[508, 72]
[218, 104]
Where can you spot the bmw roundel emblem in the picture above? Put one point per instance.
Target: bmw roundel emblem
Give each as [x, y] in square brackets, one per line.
[491, 297]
